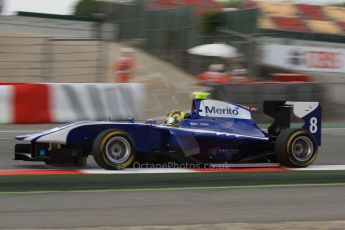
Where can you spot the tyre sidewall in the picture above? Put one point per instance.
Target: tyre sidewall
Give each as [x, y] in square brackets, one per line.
[283, 149]
[100, 154]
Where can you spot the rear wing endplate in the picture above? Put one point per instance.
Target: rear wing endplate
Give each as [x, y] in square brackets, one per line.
[280, 111]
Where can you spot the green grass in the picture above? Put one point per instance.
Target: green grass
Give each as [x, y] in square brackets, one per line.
[141, 182]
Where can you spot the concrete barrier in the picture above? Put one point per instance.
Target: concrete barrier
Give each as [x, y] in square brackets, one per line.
[336, 93]
[58, 103]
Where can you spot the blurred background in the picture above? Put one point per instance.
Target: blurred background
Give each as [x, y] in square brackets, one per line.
[286, 50]
[84, 52]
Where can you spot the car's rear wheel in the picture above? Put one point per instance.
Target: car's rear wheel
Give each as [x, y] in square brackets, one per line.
[296, 148]
[113, 150]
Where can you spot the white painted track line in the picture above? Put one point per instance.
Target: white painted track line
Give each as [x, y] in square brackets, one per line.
[181, 170]
[320, 168]
[164, 170]
[137, 171]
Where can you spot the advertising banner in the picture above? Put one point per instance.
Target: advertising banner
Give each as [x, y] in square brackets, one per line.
[304, 58]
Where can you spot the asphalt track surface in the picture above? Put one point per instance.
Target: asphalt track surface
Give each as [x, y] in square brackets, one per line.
[171, 206]
[73, 210]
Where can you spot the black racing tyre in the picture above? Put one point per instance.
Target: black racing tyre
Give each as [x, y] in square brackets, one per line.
[113, 150]
[296, 148]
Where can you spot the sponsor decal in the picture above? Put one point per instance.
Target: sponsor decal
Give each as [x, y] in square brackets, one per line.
[214, 108]
[304, 58]
[225, 151]
[323, 59]
[315, 59]
[199, 124]
[296, 58]
[225, 110]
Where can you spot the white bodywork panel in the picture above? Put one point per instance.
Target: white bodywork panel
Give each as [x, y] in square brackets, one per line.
[301, 109]
[59, 135]
[213, 108]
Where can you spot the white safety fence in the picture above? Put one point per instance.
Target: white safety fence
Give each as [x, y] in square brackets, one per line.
[58, 103]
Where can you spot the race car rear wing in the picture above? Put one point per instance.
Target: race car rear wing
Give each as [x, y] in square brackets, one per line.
[280, 111]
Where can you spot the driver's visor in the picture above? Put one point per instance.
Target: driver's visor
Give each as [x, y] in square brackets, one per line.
[169, 121]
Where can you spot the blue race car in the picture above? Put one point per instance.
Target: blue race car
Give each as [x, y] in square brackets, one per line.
[213, 132]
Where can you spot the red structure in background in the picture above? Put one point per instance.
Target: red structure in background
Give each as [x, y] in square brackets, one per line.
[213, 77]
[122, 67]
[291, 77]
[342, 25]
[294, 24]
[249, 4]
[311, 12]
[201, 6]
[32, 97]
[300, 14]
[29, 99]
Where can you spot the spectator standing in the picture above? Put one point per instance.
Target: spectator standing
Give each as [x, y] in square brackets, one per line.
[214, 75]
[123, 65]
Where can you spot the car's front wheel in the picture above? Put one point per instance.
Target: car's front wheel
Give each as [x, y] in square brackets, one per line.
[113, 150]
[295, 148]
